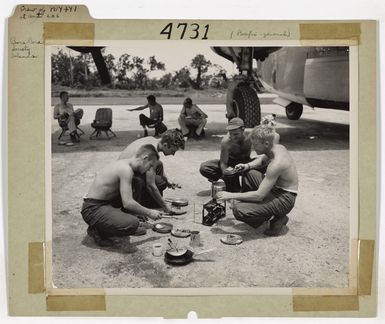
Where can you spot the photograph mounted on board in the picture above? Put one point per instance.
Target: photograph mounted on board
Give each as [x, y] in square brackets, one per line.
[201, 165]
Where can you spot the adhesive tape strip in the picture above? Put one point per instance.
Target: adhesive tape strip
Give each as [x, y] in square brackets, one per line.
[35, 267]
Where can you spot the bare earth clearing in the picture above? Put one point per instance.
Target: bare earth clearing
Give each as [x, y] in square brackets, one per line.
[314, 252]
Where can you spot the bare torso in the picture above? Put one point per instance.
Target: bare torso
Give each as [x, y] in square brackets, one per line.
[106, 185]
[239, 151]
[283, 163]
[61, 108]
[156, 111]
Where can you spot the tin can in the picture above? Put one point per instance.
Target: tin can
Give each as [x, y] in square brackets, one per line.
[157, 249]
[195, 239]
[216, 187]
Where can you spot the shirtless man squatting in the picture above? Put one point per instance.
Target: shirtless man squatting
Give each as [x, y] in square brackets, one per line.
[266, 197]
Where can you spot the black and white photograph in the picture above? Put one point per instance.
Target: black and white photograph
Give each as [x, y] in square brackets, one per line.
[201, 164]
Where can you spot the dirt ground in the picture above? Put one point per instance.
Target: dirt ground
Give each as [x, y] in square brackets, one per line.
[313, 252]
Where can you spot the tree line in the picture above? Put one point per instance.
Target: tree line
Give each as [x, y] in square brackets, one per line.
[133, 72]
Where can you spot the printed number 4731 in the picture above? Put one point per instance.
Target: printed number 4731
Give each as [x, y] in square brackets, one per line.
[192, 30]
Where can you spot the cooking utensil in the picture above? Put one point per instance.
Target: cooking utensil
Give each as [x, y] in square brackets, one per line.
[162, 227]
[173, 244]
[195, 239]
[177, 202]
[177, 212]
[180, 233]
[169, 216]
[216, 187]
[231, 171]
[183, 259]
[232, 239]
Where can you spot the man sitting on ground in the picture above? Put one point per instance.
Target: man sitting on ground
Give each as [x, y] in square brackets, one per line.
[156, 117]
[266, 196]
[154, 181]
[192, 116]
[67, 117]
[111, 206]
[235, 149]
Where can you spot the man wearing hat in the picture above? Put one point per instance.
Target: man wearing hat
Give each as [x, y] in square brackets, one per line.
[235, 149]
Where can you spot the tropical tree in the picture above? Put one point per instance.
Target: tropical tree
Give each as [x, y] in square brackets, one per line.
[166, 81]
[201, 64]
[60, 68]
[155, 65]
[182, 77]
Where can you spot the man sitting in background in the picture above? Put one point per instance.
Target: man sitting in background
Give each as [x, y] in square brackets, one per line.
[67, 117]
[192, 115]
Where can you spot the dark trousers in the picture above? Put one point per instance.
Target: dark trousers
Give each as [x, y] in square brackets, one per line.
[143, 196]
[109, 220]
[212, 170]
[278, 202]
[145, 121]
[71, 122]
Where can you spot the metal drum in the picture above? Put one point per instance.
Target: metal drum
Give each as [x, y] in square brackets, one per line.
[216, 187]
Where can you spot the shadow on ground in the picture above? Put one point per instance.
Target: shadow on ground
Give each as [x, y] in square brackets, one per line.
[304, 134]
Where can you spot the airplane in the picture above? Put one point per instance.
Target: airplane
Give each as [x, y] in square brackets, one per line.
[312, 76]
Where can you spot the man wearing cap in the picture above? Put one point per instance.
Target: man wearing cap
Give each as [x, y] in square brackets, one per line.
[235, 149]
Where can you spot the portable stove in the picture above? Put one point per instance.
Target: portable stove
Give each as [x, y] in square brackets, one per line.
[213, 210]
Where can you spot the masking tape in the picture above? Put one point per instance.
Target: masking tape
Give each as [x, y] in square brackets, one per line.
[365, 266]
[77, 33]
[76, 300]
[35, 267]
[331, 31]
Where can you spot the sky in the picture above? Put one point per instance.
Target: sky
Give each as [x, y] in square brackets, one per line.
[171, 53]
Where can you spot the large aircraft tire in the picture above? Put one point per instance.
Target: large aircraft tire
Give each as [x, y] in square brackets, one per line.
[294, 111]
[246, 105]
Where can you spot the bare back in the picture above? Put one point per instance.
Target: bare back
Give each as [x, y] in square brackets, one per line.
[132, 148]
[283, 166]
[106, 185]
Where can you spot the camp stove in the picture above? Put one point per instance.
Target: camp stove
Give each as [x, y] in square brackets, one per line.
[214, 210]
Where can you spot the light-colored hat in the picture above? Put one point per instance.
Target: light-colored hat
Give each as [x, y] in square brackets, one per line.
[235, 123]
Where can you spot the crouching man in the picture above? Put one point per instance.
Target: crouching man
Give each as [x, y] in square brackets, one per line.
[154, 181]
[266, 197]
[110, 207]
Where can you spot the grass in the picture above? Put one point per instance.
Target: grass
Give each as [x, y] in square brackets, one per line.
[121, 93]
[117, 96]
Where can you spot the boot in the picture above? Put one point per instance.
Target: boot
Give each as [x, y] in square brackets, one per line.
[276, 225]
[94, 233]
[141, 230]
